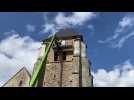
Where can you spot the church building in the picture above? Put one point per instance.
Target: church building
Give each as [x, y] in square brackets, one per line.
[68, 66]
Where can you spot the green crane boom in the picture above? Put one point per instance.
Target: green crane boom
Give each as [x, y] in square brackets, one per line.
[42, 63]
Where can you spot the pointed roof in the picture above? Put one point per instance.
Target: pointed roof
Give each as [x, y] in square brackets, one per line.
[66, 33]
[20, 71]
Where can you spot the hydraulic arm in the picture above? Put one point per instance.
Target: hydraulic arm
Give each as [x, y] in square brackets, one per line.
[42, 64]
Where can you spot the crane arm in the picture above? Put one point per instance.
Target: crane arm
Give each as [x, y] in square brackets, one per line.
[39, 67]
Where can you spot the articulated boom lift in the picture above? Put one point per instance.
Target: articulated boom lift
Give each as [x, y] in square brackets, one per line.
[39, 68]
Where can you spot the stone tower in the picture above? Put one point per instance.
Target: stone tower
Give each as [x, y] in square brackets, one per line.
[67, 66]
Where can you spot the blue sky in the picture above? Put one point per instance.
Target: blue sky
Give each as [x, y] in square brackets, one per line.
[109, 37]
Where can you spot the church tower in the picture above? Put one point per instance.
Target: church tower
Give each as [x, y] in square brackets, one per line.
[67, 66]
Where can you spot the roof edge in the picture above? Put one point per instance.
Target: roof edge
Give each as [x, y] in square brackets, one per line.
[23, 68]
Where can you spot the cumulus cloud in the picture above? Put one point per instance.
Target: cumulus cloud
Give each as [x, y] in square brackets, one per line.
[122, 33]
[30, 28]
[63, 21]
[77, 18]
[120, 76]
[15, 53]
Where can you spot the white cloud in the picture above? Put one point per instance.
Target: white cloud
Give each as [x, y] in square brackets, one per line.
[109, 39]
[122, 32]
[120, 76]
[77, 18]
[123, 40]
[49, 28]
[30, 28]
[63, 21]
[126, 22]
[15, 53]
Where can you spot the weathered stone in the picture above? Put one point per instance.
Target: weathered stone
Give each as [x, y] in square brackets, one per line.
[52, 75]
[86, 75]
[20, 79]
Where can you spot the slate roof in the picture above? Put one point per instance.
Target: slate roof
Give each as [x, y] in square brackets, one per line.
[66, 33]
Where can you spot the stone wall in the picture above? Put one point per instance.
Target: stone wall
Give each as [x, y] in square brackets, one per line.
[86, 74]
[69, 79]
[52, 75]
[51, 55]
[60, 75]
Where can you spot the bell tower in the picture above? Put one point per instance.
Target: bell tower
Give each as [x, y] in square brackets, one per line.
[67, 66]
